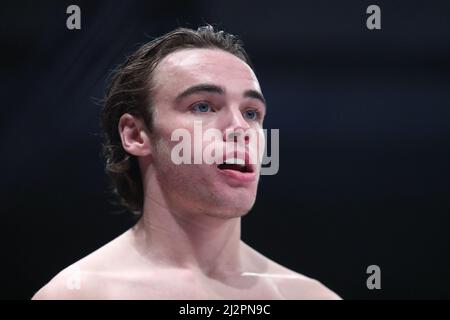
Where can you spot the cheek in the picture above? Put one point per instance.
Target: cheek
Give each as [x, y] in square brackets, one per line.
[169, 170]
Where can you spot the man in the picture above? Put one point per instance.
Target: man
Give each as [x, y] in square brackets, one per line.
[186, 244]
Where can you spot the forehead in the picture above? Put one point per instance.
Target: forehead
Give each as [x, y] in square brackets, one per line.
[188, 67]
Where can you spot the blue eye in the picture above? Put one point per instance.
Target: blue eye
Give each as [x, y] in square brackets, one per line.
[201, 107]
[251, 114]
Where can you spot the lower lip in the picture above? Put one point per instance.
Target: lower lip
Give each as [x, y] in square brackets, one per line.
[238, 176]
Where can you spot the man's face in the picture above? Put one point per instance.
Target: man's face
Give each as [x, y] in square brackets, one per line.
[226, 96]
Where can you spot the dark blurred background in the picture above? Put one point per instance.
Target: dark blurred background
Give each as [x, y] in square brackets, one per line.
[364, 119]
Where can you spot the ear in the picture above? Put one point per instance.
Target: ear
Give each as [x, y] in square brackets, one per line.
[134, 135]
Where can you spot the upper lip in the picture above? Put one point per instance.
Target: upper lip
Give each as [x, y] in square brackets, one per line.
[243, 157]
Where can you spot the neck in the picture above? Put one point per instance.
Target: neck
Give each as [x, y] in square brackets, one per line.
[188, 240]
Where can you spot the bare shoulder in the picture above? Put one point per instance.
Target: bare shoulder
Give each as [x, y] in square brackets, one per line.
[70, 284]
[301, 287]
[88, 278]
[292, 285]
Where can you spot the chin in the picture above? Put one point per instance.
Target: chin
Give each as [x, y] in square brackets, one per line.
[232, 208]
[228, 214]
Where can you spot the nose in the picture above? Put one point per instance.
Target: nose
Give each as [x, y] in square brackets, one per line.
[235, 127]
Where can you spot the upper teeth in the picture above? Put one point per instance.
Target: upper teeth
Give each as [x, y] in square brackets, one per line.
[235, 161]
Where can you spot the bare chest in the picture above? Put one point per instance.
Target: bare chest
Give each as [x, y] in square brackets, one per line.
[197, 289]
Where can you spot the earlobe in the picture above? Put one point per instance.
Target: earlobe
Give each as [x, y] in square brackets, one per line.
[135, 139]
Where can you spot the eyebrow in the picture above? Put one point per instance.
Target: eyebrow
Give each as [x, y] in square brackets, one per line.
[211, 88]
[255, 95]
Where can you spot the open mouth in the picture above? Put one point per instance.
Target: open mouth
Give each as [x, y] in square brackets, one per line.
[236, 165]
